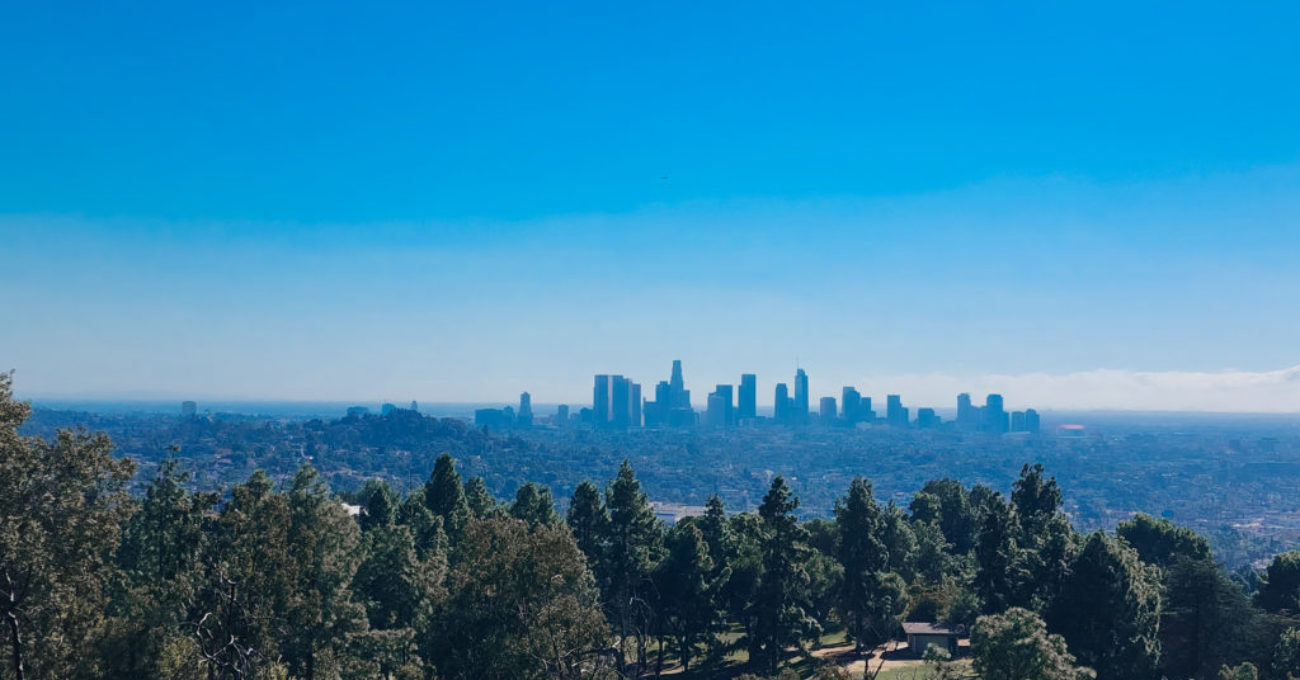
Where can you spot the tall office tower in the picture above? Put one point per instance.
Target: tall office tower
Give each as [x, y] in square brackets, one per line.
[1018, 421]
[600, 411]
[895, 414]
[995, 419]
[851, 405]
[680, 398]
[724, 399]
[967, 418]
[635, 420]
[827, 410]
[189, 409]
[927, 419]
[715, 411]
[868, 415]
[620, 400]
[747, 396]
[800, 396]
[526, 410]
[562, 415]
[781, 404]
[1032, 423]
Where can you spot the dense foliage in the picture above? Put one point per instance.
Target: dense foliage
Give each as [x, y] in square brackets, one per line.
[267, 579]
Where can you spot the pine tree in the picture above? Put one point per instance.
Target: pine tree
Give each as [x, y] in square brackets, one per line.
[863, 555]
[1109, 610]
[62, 504]
[534, 504]
[635, 543]
[589, 522]
[445, 497]
[480, 501]
[781, 603]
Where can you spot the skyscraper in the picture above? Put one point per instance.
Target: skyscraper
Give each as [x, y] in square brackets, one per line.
[781, 405]
[995, 418]
[747, 408]
[620, 399]
[635, 406]
[827, 410]
[189, 409]
[926, 419]
[721, 397]
[526, 410]
[562, 415]
[800, 396]
[967, 416]
[1032, 423]
[895, 414]
[600, 410]
[851, 406]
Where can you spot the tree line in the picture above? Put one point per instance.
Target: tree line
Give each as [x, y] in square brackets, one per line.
[281, 581]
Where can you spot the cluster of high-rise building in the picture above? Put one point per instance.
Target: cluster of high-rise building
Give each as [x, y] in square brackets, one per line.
[617, 403]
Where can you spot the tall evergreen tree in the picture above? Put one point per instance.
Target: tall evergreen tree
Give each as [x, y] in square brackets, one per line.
[534, 504]
[1207, 620]
[1281, 589]
[863, 556]
[589, 522]
[781, 603]
[685, 592]
[998, 574]
[62, 504]
[1161, 542]
[480, 501]
[1109, 610]
[445, 497]
[635, 544]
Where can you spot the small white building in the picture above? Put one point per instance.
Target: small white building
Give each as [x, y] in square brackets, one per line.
[921, 635]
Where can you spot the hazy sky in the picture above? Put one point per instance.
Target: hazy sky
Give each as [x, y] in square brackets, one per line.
[1079, 204]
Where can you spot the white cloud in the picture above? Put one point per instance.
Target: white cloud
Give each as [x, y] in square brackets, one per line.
[1222, 391]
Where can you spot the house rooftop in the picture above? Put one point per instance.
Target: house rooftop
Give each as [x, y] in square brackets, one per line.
[921, 628]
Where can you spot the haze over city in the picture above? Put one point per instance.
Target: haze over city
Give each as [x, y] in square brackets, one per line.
[1009, 207]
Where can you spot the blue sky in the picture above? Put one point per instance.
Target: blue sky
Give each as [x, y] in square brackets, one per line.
[461, 202]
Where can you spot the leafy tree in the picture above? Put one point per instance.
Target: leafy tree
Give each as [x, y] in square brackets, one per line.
[534, 505]
[62, 504]
[161, 558]
[1281, 589]
[862, 555]
[1161, 542]
[589, 522]
[1109, 610]
[480, 501]
[1207, 621]
[999, 574]
[781, 603]
[1242, 671]
[635, 543]
[523, 606]
[445, 497]
[686, 591]
[1286, 655]
[321, 612]
[957, 513]
[379, 503]
[1015, 645]
[1045, 541]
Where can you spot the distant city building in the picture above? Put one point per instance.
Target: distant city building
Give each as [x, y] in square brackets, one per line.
[525, 410]
[747, 396]
[827, 411]
[927, 419]
[672, 404]
[895, 414]
[562, 415]
[1018, 421]
[995, 418]
[189, 409]
[782, 406]
[721, 398]
[968, 417]
[851, 405]
[800, 395]
[495, 418]
[358, 411]
[414, 406]
[387, 409]
[1032, 422]
[612, 402]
